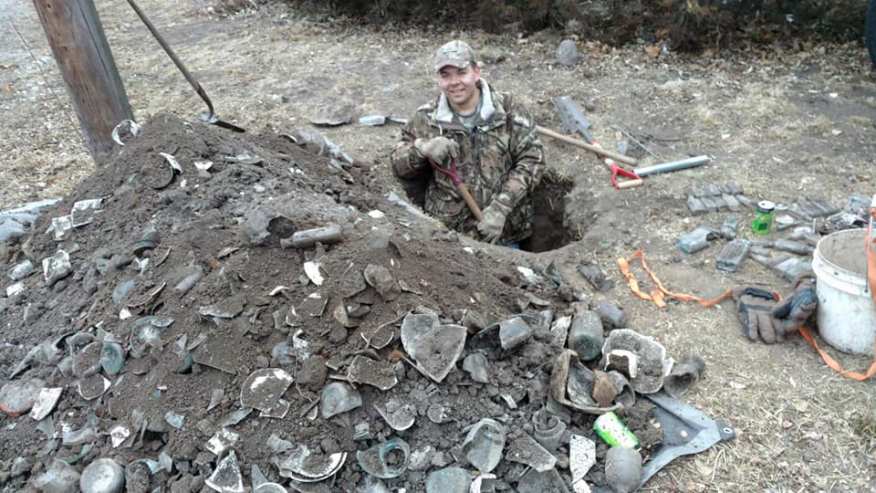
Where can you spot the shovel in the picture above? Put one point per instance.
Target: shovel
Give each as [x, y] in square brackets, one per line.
[208, 117]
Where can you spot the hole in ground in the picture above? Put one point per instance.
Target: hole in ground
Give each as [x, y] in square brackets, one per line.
[549, 230]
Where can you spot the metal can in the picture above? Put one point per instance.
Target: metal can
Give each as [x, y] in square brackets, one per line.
[763, 219]
[614, 432]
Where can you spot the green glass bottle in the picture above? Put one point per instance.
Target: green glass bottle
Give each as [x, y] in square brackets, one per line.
[763, 219]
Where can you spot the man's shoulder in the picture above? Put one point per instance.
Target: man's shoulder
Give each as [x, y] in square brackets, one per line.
[509, 104]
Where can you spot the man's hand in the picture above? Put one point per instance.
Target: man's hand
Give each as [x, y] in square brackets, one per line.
[493, 223]
[437, 149]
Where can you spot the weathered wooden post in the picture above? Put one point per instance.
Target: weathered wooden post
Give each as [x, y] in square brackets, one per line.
[86, 62]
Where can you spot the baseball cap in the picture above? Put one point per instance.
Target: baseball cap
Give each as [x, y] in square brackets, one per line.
[457, 53]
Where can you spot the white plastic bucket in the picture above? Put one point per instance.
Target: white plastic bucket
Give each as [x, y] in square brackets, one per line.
[846, 312]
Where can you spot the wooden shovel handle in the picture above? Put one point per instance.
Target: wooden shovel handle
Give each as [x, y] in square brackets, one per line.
[621, 158]
[470, 201]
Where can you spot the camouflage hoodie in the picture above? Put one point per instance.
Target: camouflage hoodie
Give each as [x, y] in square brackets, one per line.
[500, 159]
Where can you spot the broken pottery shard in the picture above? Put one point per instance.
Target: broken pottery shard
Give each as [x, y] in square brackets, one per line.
[235, 417]
[560, 331]
[604, 391]
[118, 435]
[83, 211]
[14, 289]
[586, 335]
[729, 227]
[72, 438]
[189, 280]
[19, 396]
[683, 375]
[226, 309]
[626, 362]
[653, 365]
[548, 429]
[438, 350]
[623, 469]
[732, 255]
[312, 271]
[379, 278]
[112, 357]
[413, 326]
[378, 374]
[312, 306]
[448, 480]
[92, 387]
[731, 202]
[308, 467]
[513, 332]
[126, 128]
[264, 389]
[529, 452]
[278, 445]
[475, 365]
[227, 478]
[60, 226]
[221, 441]
[337, 398]
[45, 402]
[215, 398]
[540, 482]
[56, 267]
[174, 419]
[582, 456]
[102, 476]
[484, 444]
[398, 416]
[696, 240]
[59, 478]
[385, 460]
[21, 270]
[570, 387]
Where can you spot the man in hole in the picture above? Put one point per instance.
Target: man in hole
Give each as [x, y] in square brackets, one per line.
[490, 141]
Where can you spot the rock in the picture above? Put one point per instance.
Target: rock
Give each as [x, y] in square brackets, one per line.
[56, 267]
[484, 444]
[102, 476]
[623, 469]
[379, 278]
[514, 332]
[59, 478]
[264, 389]
[448, 480]
[567, 53]
[21, 270]
[475, 365]
[18, 396]
[612, 316]
[313, 372]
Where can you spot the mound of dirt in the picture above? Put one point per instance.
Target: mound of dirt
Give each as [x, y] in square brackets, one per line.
[183, 329]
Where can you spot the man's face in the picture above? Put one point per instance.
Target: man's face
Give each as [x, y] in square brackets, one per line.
[459, 84]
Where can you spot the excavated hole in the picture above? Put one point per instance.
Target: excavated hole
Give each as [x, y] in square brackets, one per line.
[549, 230]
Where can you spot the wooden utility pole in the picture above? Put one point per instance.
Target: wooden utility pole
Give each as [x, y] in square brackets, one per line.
[86, 62]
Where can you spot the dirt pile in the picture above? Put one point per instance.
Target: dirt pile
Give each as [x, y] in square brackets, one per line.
[188, 345]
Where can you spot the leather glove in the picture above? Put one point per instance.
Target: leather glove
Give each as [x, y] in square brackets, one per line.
[754, 308]
[795, 310]
[437, 149]
[493, 223]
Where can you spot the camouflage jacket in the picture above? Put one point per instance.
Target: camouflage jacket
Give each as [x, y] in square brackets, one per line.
[500, 159]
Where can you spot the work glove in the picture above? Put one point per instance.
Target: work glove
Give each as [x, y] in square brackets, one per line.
[797, 308]
[437, 149]
[763, 317]
[493, 223]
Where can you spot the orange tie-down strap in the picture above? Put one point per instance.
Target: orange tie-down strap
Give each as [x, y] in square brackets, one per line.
[659, 294]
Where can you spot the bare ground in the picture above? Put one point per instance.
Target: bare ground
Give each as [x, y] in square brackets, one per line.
[780, 123]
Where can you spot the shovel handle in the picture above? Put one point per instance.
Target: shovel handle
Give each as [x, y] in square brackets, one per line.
[622, 185]
[470, 201]
[621, 158]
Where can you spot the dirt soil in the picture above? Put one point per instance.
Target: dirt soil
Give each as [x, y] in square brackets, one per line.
[782, 124]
